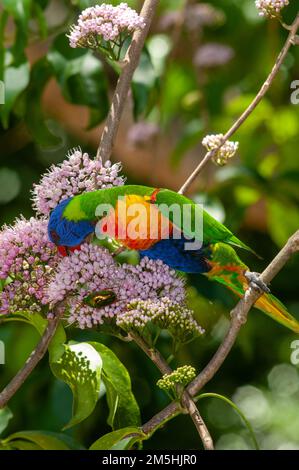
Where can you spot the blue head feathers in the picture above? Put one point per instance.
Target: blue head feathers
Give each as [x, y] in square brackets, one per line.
[65, 232]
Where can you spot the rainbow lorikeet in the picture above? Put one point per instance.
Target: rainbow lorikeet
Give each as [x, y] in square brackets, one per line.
[157, 232]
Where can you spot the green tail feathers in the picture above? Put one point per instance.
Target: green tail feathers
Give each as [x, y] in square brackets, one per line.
[276, 310]
[228, 269]
[233, 240]
[267, 303]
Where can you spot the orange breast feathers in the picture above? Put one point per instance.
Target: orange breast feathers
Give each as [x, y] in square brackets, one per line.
[135, 223]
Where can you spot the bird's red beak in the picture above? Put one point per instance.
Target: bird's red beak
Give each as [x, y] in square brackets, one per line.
[62, 250]
[74, 248]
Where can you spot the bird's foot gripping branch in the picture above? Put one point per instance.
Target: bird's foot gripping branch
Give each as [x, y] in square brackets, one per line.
[126, 250]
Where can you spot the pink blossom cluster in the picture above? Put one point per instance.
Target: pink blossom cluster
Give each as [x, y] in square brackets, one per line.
[166, 314]
[271, 8]
[93, 269]
[106, 22]
[75, 175]
[27, 262]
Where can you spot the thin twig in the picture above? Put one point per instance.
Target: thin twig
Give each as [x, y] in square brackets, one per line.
[186, 401]
[131, 62]
[248, 111]
[35, 357]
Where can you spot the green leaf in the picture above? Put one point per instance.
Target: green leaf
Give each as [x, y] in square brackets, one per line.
[81, 78]
[112, 399]
[80, 368]
[121, 439]
[5, 417]
[43, 440]
[20, 444]
[16, 79]
[124, 410]
[33, 319]
[56, 347]
[40, 75]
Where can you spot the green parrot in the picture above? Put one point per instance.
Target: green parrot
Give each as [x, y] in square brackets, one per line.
[163, 225]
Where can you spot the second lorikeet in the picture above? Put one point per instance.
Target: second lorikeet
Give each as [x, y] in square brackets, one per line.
[161, 233]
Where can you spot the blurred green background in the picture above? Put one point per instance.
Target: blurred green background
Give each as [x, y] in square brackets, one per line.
[203, 64]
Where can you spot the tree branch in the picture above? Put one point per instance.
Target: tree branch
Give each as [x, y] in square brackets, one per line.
[239, 316]
[186, 401]
[248, 111]
[198, 422]
[170, 411]
[131, 61]
[34, 358]
[240, 312]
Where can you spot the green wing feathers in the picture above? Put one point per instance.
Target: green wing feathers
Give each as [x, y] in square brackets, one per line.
[212, 230]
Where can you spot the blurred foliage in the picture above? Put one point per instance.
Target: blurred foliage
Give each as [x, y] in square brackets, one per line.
[257, 196]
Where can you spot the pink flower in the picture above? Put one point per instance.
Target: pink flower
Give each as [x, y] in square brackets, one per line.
[104, 22]
[27, 261]
[93, 270]
[271, 8]
[166, 314]
[75, 175]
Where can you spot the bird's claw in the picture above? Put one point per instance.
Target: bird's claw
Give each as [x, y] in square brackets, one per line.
[255, 282]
